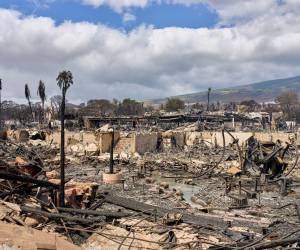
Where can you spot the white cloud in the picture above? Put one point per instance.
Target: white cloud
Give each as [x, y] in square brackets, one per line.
[117, 5]
[128, 17]
[146, 62]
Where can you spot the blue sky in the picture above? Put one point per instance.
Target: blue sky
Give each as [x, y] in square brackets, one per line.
[158, 15]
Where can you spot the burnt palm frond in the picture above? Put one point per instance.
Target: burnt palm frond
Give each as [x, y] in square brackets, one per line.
[28, 96]
[27, 92]
[64, 80]
[42, 92]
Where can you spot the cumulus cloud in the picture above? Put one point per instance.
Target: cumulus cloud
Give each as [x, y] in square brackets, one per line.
[146, 62]
[234, 8]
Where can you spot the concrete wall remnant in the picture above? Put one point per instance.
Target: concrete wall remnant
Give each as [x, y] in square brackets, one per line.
[105, 140]
[22, 135]
[141, 143]
[145, 142]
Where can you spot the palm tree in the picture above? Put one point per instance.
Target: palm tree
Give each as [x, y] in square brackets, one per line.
[28, 96]
[64, 81]
[42, 94]
[208, 98]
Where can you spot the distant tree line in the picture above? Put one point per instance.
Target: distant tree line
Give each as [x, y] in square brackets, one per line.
[289, 105]
[97, 107]
[103, 107]
[287, 102]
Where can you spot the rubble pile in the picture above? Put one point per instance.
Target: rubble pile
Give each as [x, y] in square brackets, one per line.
[205, 195]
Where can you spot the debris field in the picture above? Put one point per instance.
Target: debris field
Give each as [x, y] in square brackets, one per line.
[181, 188]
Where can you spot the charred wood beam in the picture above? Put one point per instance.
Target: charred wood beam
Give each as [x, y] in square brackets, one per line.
[272, 154]
[263, 245]
[105, 213]
[276, 243]
[57, 216]
[27, 179]
[203, 220]
[21, 190]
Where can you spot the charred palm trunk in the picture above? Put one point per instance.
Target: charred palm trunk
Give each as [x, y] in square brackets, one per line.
[111, 159]
[208, 99]
[43, 113]
[62, 151]
[30, 108]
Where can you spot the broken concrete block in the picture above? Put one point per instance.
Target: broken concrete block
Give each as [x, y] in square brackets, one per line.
[20, 161]
[52, 174]
[77, 148]
[234, 170]
[31, 222]
[167, 134]
[137, 156]
[104, 157]
[112, 178]
[105, 128]
[165, 185]
[54, 181]
[22, 135]
[124, 156]
[91, 148]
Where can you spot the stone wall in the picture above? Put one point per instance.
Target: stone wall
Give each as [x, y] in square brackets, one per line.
[192, 137]
[179, 137]
[126, 144]
[145, 142]
[72, 137]
[101, 141]
[216, 137]
[105, 140]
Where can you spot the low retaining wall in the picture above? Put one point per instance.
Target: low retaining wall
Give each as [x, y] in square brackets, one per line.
[216, 137]
[147, 142]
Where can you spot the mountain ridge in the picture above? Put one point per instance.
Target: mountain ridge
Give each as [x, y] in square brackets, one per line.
[265, 91]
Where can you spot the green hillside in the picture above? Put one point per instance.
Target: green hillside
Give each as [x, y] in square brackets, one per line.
[261, 92]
